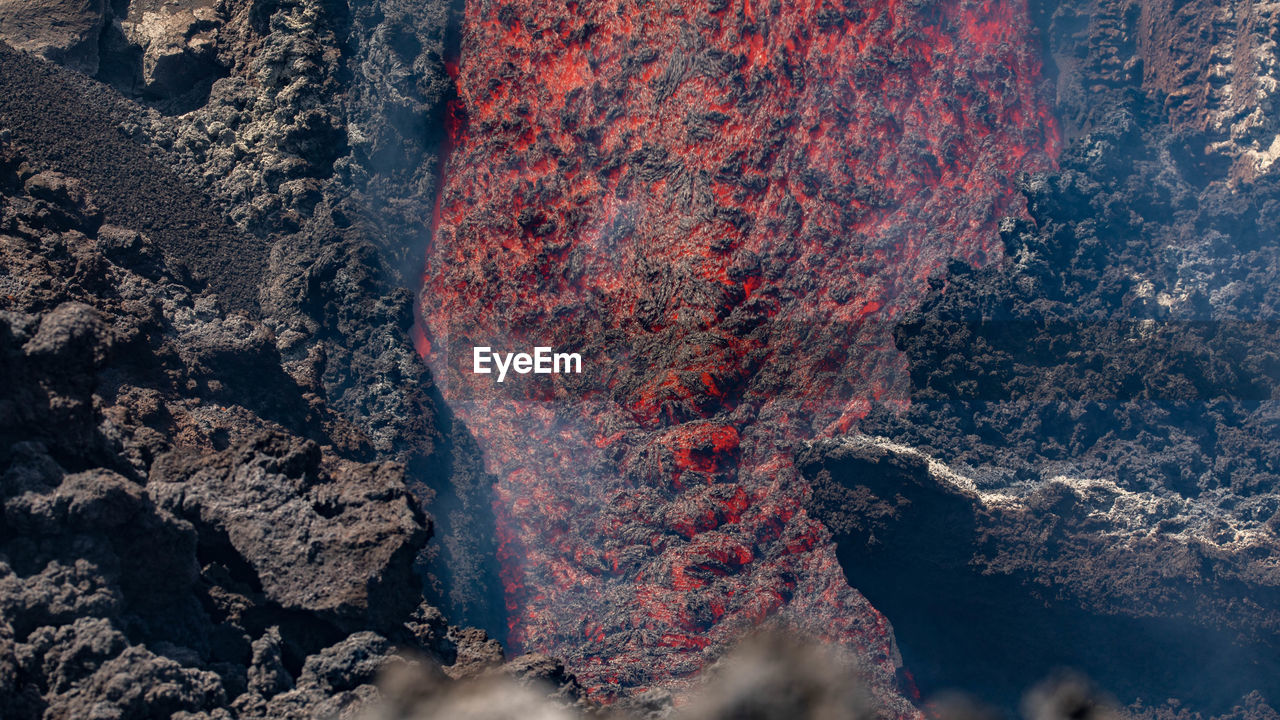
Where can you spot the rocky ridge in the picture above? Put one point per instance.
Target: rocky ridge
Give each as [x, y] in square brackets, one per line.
[1126, 586]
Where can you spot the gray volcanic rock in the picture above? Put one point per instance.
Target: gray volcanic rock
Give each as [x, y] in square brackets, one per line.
[84, 131]
[314, 134]
[64, 31]
[267, 674]
[212, 394]
[339, 681]
[177, 41]
[338, 541]
[67, 654]
[349, 664]
[475, 654]
[137, 683]
[322, 141]
[538, 670]
[129, 393]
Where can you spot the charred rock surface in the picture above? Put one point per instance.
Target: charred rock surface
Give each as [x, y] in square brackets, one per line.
[1207, 67]
[338, 541]
[67, 123]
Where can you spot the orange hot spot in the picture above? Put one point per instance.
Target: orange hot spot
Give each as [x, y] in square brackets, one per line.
[684, 641]
[704, 448]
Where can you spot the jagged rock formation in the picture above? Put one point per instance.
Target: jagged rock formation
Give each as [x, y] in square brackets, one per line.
[177, 42]
[1211, 67]
[321, 141]
[316, 132]
[337, 541]
[177, 512]
[101, 583]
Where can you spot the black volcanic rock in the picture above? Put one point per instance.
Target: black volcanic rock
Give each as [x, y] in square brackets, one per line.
[1107, 394]
[139, 683]
[177, 42]
[315, 134]
[214, 415]
[1114, 381]
[80, 129]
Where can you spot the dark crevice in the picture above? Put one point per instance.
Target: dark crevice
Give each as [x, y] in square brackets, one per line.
[460, 566]
[915, 548]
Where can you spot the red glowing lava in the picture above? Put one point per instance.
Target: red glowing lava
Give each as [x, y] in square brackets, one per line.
[724, 209]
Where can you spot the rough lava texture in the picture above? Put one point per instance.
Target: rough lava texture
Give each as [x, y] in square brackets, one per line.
[177, 42]
[216, 439]
[723, 207]
[336, 541]
[1210, 68]
[314, 127]
[1186, 613]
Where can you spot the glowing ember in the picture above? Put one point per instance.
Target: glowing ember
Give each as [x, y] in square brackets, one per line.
[724, 210]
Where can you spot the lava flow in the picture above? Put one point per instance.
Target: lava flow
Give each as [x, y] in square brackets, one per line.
[723, 209]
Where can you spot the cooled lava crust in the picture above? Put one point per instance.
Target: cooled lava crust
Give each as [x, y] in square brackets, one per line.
[724, 209]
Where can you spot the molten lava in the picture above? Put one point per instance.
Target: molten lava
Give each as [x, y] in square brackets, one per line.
[724, 209]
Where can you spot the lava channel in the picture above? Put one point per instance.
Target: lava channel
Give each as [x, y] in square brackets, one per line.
[724, 209]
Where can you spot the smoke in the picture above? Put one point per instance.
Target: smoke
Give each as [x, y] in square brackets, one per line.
[1068, 696]
[411, 692]
[776, 676]
[770, 675]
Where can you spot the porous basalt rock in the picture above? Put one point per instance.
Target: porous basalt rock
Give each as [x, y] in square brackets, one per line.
[1121, 584]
